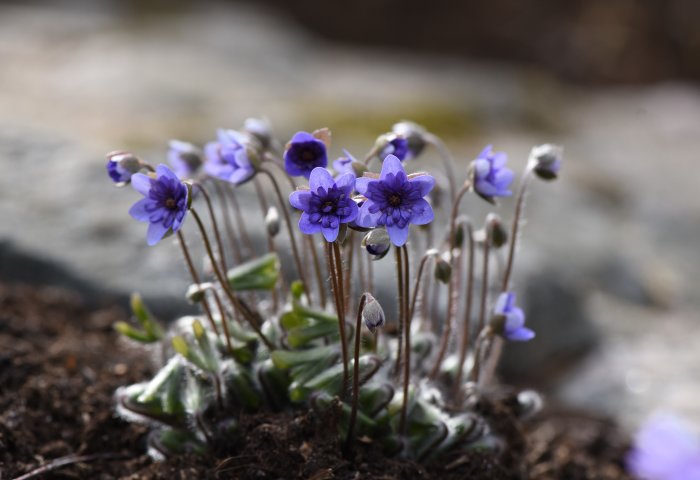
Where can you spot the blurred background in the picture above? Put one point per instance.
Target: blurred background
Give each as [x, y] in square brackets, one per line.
[609, 264]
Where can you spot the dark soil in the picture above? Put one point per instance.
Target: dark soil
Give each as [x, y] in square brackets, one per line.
[60, 364]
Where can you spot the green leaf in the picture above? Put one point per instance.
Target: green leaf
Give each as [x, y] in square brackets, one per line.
[258, 274]
[289, 358]
[145, 318]
[300, 336]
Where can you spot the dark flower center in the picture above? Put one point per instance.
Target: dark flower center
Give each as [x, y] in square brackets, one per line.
[394, 200]
[307, 155]
[170, 203]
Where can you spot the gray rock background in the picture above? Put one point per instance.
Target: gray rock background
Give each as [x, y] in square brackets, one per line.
[620, 230]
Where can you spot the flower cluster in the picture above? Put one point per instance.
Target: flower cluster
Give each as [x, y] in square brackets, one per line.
[290, 348]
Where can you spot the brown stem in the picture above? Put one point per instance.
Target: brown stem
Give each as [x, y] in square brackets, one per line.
[514, 228]
[337, 296]
[215, 225]
[317, 270]
[447, 162]
[399, 290]
[407, 347]
[270, 239]
[224, 321]
[466, 334]
[240, 221]
[290, 231]
[355, 376]
[224, 284]
[195, 279]
[350, 251]
[233, 240]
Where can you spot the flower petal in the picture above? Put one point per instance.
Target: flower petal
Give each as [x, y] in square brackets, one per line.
[330, 233]
[365, 218]
[391, 165]
[422, 212]
[300, 199]
[307, 226]
[163, 170]
[138, 210]
[241, 175]
[155, 233]
[515, 319]
[361, 184]
[346, 182]
[398, 236]
[501, 302]
[141, 183]
[320, 177]
[302, 137]
[424, 182]
[522, 334]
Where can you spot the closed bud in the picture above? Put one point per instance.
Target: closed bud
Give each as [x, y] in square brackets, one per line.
[377, 243]
[497, 232]
[197, 291]
[443, 270]
[122, 165]
[272, 221]
[545, 160]
[185, 158]
[373, 314]
[260, 129]
[458, 238]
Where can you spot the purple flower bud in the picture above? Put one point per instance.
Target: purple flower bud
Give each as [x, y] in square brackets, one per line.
[304, 153]
[545, 161]
[326, 205]
[121, 166]
[397, 146]
[344, 164]
[489, 175]
[228, 158]
[165, 204]
[509, 320]
[394, 200]
[665, 449]
[414, 135]
[185, 158]
[373, 314]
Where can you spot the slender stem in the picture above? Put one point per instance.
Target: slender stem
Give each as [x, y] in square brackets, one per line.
[484, 280]
[290, 231]
[214, 224]
[57, 463]
[349, 251]
[264, 207]
[447, 162]
[233, 240]
[514, 228]
[485, 336]
[224, 284]
[401, 317]
[355, 376]
[224, 321]
[426, 289]
[407, 347]
[317, 270]
[466, 334]
[417, 282]
[447, 327]
[337, 296]
[370, 273]
[240, 221]
[340, 278]
[219, 395]
[195, 279]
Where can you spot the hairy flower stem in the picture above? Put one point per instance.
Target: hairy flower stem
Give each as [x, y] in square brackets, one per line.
[485, 336]
[336, 286]
[417, 281]
[514, 228]
[399, 310]
[349, 440]
[447, 162]
[271, 247]
[484, 279]
[350, 253]
[224, 320]
[252, 321]
[466, 334]
[215, 225]
[195, 279]
[233, 240]
[239, 219]
[407, 336]
[290, 230]
[447, 327]
[317, 270]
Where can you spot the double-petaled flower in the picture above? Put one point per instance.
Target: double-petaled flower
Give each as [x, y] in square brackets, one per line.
[327, 203]
[165, 204]
[228, 157]
[395, 200]
[304, 153]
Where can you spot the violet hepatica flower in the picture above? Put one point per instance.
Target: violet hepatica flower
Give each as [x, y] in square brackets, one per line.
[121, 166]
[344, 164]
[304, 153]
[326, 204]
[165, 204]
[490, 176]
[665, 449]
[227, 158]
[184, 158]
[395, 200]
[511, 319]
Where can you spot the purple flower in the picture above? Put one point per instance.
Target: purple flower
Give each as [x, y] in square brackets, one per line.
[304, 153]
[165, 204]
[185, 158]
[227, 158]
[121, 166]
[344, 164]
[397, 146]
[665, 449]
[395, 200]
[511, 319]
[490, 177]
[326, 204]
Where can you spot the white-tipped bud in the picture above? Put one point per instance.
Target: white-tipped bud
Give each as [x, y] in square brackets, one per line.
[373, 314]
[413, 133]
[545, 160]
[197, 291]
[272, 221]
[261, 129]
